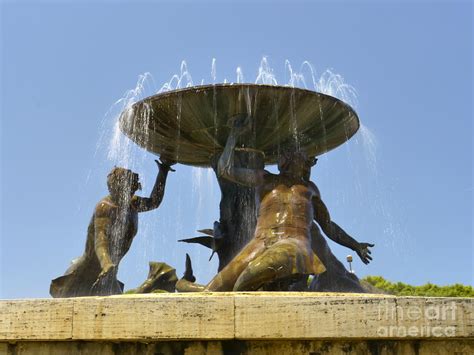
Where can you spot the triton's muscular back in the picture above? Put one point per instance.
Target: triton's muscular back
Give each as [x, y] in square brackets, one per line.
[285, 209]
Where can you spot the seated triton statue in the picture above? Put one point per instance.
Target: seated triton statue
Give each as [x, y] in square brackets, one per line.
[111, 230]
[281, 248]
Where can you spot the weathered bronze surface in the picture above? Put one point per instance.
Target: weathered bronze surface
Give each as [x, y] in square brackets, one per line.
[111, 230]
[190, 125]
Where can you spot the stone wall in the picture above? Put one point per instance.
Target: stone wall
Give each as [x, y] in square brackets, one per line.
[238, 323]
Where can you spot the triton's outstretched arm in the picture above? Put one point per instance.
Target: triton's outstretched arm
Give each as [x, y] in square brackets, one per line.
[226, 167]
[337, 234]
[144, 204]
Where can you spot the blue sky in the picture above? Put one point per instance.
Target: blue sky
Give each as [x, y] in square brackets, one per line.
[405, 183]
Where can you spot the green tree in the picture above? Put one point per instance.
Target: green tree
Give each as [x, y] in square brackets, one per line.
[429, 289]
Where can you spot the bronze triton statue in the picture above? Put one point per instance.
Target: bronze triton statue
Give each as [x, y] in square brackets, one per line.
[111, 230]
[281, 249]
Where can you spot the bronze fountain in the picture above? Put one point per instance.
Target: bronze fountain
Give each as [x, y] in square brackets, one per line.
[268, 235]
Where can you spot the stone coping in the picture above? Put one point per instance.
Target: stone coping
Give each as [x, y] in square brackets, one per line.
[236, 315]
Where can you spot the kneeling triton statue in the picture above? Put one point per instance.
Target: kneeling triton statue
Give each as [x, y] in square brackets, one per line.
[281, 249]
[111, 230]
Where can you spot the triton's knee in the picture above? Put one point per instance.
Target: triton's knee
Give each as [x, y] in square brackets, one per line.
[260, 271]
[251, 279]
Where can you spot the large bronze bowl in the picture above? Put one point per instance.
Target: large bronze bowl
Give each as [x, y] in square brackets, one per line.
[190, 125]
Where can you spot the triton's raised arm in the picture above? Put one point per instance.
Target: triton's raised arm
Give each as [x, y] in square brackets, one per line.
[226, 167]
[144, 204]
[336, 233]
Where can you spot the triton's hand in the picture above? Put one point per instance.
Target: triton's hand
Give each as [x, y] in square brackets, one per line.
[107, 275]
[364, 252]
[166, 164]
[109, 269]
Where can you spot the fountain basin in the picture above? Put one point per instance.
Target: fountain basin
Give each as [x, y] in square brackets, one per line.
[190, 125]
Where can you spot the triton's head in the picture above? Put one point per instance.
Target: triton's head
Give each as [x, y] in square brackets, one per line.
[123, 182]
[295, 161]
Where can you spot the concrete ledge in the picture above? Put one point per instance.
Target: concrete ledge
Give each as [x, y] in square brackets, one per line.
[242, 316]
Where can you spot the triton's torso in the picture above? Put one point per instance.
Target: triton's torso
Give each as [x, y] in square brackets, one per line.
[286, 210]
[120, 231]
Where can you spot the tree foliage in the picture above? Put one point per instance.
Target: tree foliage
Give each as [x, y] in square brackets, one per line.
[429, 289]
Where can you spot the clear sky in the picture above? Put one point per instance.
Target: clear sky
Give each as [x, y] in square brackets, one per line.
[405, 183]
